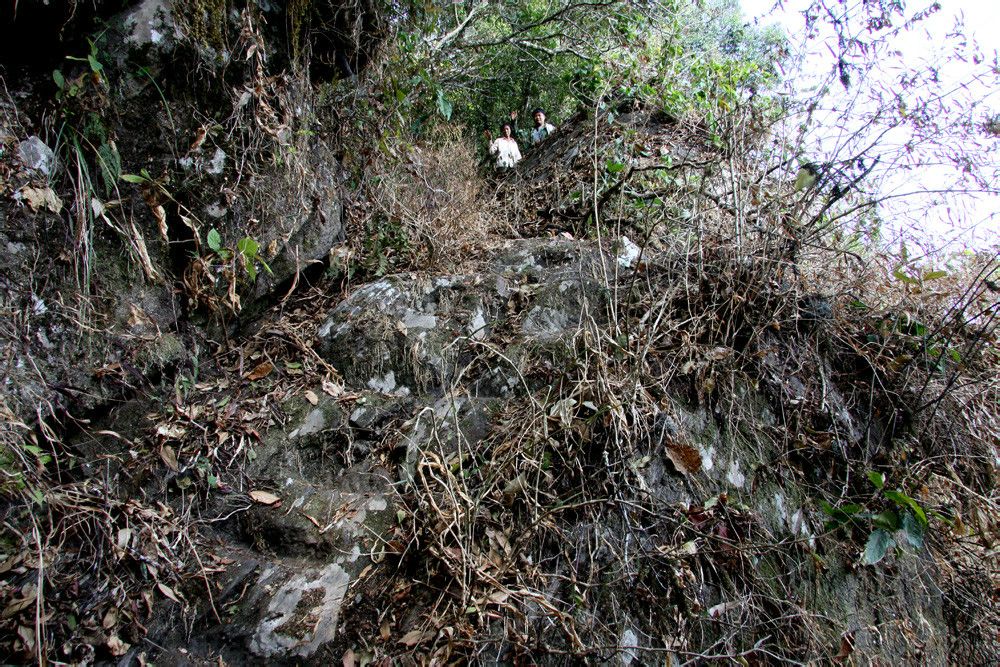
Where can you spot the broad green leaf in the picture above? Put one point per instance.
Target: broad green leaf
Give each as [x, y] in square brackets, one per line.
[58, 77]
[934, 275]
[842, 514]
[214, 240]
[898, 273]
[827, 508]
[877, 478]
[133, 178]
[248, 247]
[95, 66]
[887, 520]
[443, 105]
[914, 530]
[614, 167]
[942, 518]
[878, 545]
[907, 502]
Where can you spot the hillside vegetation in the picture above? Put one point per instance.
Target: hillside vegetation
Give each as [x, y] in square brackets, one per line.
[292, 375]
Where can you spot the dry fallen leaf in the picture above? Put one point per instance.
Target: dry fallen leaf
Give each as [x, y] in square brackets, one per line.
[846, 648]
[161, 221]
[168, 591]
[124, 541]
[262, 370]
[332, 389]
[169, 457]
[685, 458]
[564, 411]
[143, 251]
[311, 397]
[264, 498]
[414, 637]
[172, 431]
[39, 198]
[199, 139]
[117, 646]
[721, 608]
[349, 660]
[498, 597]
[18, 606]
[27, 635]
[10, 563]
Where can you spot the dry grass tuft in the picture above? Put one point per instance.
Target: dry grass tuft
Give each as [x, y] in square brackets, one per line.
[421, 207]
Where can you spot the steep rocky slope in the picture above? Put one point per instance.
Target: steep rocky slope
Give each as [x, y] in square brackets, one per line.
[634, 424]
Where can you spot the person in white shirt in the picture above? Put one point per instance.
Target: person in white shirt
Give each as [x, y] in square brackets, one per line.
[505, 148]
[542, 129]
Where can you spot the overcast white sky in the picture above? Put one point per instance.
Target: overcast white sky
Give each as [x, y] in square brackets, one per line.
[947, 223]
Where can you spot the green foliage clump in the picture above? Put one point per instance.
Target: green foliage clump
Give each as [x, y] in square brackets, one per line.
[480, 66]
[902, 521]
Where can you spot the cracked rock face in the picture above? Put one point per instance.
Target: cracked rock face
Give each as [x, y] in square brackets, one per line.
[416, 387]
[302, 613]
[405, 334]
[36, 155]
[397, 342]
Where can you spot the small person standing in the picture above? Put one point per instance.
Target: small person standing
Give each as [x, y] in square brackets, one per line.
[505, 148]
[542, 129]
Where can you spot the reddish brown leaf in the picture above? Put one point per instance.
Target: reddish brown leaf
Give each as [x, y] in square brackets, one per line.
[685, 458]
[414, 637]
[260, 371]
[846, 647]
